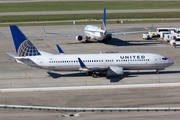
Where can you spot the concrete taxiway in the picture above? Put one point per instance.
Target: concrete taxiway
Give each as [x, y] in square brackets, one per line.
[14, 75]
[87, 12]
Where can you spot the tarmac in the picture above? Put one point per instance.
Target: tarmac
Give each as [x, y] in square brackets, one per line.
[15, 75]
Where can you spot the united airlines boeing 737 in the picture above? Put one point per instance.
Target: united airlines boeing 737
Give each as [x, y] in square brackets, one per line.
[111, 64]
[96, 33]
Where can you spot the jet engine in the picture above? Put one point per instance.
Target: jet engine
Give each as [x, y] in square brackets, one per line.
[109, 37]
[78, 37]
[114, 70]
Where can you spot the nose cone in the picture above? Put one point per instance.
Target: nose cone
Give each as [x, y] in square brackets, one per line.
[170, 62]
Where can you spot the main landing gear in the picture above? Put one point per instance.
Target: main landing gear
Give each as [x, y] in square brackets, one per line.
[104, 40]
[93, 74]
[87, 39]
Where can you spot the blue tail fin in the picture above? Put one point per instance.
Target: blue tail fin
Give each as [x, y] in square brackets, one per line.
[59, 49]
[103, 26]
[81, 63]
[23, 46]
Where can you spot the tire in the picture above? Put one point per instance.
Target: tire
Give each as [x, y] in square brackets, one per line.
[157, 72]
[104, 41]
[94, 75]
[86, 41]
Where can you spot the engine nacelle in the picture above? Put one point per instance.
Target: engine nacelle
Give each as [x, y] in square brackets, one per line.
[109, 37]
[114, 70]
[78, 37]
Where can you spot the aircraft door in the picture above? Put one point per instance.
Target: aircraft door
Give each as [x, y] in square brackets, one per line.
[101, 62]
[156, 59]
[40, 61]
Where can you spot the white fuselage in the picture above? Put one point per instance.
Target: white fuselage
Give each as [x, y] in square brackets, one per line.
[94, 32]
[128, 61]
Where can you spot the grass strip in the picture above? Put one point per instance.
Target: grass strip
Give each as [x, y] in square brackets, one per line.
[87, 5]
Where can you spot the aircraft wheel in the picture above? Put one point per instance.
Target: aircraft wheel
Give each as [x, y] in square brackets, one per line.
[157, 72]
[104, 41]
[86, 41]
[94, 75]
[90, 73]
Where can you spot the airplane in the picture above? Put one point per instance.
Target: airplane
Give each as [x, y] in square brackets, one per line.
[97, 33]
[111, 64]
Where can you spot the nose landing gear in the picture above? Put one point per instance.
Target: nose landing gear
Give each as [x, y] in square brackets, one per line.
[157, 71]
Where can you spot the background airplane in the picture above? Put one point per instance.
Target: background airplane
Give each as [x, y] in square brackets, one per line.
[110, 64]
[96, 33]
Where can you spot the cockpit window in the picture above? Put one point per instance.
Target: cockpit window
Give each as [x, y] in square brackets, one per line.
[164, 58]
[101, 33]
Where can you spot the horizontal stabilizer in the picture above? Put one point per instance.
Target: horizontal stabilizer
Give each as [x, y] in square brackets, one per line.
[22, 58]
[12, 55]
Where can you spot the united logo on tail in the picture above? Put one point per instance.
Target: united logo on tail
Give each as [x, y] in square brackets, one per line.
[23, 46]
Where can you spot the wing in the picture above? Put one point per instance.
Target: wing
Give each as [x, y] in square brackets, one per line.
[110, 31]
[88, 69]
[123, 33]
[64, 33]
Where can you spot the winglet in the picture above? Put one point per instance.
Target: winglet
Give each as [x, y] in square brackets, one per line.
[81, 63]
[59, 49]
[151, 27]
[103, 26]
